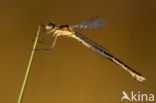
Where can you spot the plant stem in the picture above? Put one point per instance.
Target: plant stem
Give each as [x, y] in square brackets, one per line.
[20, 98]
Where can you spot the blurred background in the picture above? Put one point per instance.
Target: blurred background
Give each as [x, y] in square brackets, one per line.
[73, 73]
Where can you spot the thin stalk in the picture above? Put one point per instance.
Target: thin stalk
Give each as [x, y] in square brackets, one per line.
[20, 98]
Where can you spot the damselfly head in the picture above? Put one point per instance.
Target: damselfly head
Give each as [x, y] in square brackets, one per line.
[49, 28]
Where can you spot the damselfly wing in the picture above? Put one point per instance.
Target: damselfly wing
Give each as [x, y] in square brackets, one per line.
[91, 23]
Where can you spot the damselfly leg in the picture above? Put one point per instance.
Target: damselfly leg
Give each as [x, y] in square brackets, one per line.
[48, 43]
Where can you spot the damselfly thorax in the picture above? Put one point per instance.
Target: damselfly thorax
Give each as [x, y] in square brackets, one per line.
[91, 23]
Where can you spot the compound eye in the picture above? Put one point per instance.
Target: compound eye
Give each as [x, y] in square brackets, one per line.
[51, 25]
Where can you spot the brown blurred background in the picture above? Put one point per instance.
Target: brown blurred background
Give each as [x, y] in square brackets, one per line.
[73, 73]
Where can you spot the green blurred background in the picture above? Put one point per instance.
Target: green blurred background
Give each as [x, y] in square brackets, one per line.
[73, 73]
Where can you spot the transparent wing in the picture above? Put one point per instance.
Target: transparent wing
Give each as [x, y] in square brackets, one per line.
[91, 23]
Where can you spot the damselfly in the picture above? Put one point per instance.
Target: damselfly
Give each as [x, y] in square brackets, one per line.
[91, 23]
